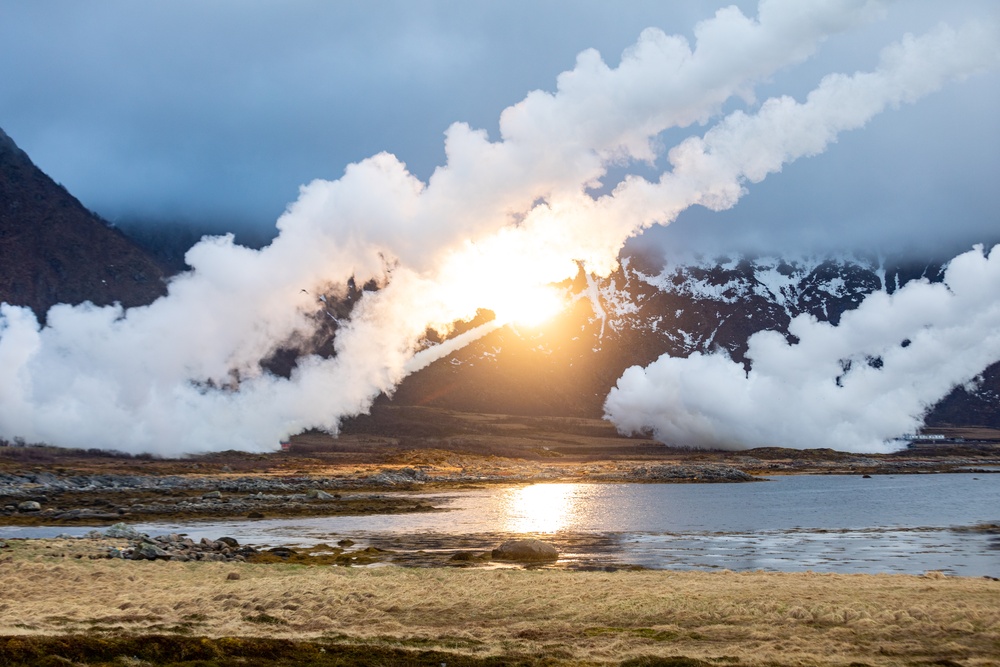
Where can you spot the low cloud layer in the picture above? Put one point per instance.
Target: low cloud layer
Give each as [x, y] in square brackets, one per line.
[501, 217]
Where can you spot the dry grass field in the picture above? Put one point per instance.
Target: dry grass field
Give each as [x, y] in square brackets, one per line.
[394, 615]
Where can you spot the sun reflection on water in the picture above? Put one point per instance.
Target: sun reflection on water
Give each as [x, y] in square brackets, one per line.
[540, 508]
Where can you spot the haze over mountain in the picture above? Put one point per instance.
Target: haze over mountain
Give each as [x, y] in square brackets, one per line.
[502, 227]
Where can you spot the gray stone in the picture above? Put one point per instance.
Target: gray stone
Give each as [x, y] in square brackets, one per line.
[211, 494]
[317, 494]
[526, 551]
[150, 551]
[29, 506]
[122, 530]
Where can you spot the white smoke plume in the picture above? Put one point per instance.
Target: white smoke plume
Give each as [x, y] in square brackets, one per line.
[490, 229]
[852, 387]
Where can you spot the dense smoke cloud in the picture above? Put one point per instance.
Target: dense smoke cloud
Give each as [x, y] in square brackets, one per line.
[851, 387]
[507, 217]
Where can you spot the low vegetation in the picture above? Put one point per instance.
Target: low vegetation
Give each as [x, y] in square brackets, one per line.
[58, 601]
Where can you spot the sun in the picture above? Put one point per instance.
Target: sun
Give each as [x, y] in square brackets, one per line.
[519, 286]
[529, 307]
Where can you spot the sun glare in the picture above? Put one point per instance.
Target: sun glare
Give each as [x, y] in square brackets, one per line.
[540, 508]
[515, 286]
[531, 307]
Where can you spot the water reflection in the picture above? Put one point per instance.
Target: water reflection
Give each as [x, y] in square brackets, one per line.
[539, 508]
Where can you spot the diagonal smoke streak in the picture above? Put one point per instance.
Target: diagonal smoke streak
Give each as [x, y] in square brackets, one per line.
[500, 217]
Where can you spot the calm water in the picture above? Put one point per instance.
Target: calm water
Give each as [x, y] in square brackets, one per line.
[833, 523]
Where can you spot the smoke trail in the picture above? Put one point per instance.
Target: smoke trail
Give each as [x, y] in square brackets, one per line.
[853, 387]
[183, 374]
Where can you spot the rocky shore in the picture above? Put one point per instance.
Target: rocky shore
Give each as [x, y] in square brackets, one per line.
[49, 499]
[45, 498]
[103, 491]
[123, 542]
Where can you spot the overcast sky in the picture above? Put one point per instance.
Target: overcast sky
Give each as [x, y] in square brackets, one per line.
[216, 111]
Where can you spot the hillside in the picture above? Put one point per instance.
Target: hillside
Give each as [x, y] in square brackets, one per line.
[53, 250]
[648, 308]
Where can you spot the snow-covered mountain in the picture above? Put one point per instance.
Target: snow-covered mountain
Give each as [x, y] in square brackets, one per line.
[650, 307]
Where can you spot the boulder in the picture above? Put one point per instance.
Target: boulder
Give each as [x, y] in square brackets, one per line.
[122, 530]
[526, 551]
[150, 551]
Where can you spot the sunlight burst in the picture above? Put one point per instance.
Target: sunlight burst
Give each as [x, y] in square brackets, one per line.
[530, 307]
[505, 277]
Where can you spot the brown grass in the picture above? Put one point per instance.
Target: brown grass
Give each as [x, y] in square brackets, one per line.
[570, 617]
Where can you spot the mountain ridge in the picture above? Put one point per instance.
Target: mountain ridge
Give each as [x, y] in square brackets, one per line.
[641, 312]
[53, 250]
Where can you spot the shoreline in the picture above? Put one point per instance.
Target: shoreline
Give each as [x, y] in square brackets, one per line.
[70, 488]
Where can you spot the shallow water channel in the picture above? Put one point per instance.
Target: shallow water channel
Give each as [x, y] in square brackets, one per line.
[828, 523]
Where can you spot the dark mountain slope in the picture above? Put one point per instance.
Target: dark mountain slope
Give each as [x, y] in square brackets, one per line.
[53, 250]
[640, 312]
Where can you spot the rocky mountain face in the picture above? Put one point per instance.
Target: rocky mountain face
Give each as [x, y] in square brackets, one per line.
[53, 250]
[648, 308]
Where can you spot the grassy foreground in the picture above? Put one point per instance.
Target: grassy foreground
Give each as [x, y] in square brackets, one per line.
[57, 601]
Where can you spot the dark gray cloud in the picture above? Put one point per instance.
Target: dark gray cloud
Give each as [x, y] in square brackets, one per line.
[218, 111]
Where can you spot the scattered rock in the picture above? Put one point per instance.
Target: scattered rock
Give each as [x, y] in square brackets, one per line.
[691, 473]
[150, 551]
[526, 551]
[211, 495]
[122, 530]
